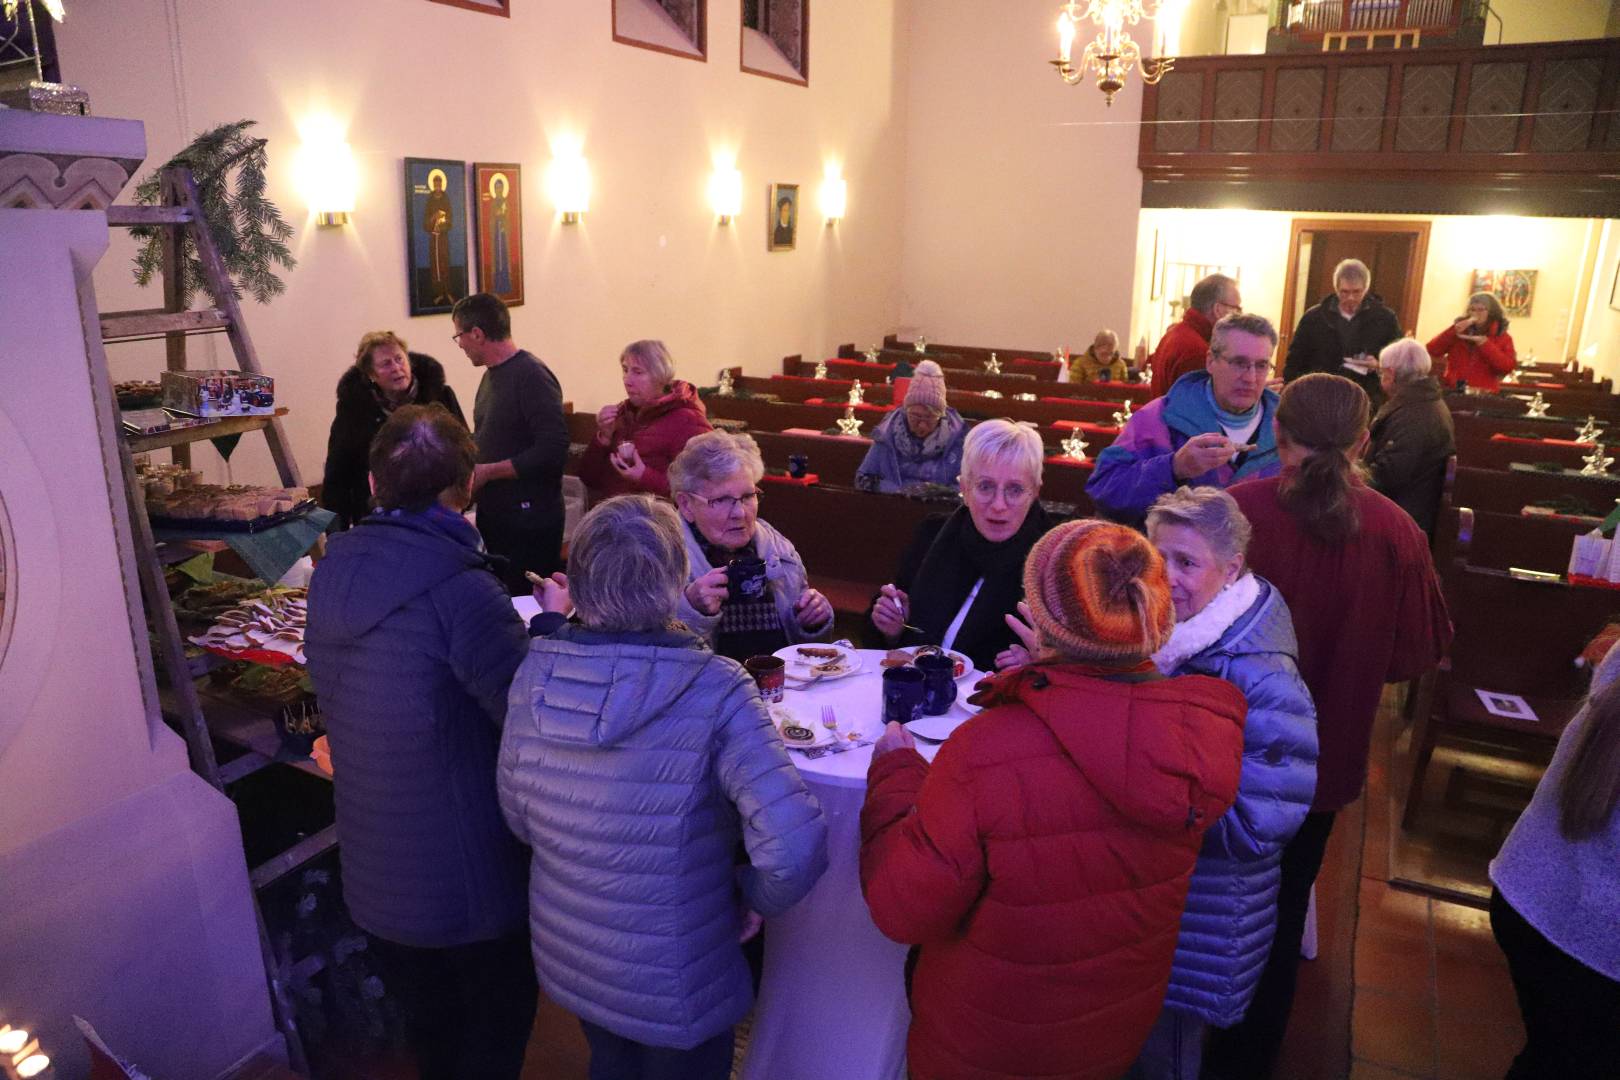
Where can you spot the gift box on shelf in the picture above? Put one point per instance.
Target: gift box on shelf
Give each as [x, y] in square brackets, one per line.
[219, 392]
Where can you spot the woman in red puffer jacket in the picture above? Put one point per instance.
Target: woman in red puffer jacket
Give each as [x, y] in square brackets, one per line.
[1476, 347]
[638, 438]
[1041, 863]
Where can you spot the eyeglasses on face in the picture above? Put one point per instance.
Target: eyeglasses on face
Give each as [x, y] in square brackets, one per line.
[1231, 309]
[726, 503]
[1246, 367]
[1014, 492]
[459, 334]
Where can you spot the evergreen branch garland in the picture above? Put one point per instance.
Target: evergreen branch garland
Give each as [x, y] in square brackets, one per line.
[246, 226]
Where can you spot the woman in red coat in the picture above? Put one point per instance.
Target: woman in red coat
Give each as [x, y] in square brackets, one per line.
[1041, 863]
[1476, 348]
[638, 438]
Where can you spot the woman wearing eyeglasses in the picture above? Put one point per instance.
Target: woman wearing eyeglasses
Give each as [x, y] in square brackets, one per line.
[964, 573]
[747, 592]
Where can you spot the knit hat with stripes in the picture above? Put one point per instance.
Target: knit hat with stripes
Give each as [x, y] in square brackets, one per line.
[1098, 591]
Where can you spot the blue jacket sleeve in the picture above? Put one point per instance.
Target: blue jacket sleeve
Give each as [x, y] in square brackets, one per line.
[877, 468]
[487, 638]
[1124, 482]
[784, 830]
[1279, 763]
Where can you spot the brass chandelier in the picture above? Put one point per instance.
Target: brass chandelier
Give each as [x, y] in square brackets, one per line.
[1112, 53]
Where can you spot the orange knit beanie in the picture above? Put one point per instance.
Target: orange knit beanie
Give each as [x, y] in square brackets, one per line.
[1098, 591]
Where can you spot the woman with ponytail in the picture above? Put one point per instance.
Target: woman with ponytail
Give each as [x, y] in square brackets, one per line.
[1356, 573]
[1556, 904]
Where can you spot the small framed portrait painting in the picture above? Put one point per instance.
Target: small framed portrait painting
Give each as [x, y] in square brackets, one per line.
[784, 220]
[436, 233]
[498, 206]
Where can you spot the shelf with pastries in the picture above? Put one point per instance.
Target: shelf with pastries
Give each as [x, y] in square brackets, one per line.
[198, 432]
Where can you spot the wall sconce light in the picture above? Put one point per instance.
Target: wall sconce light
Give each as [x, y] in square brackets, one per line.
[326, 172]
[22, 1052]
[571, 187]
[834, 197]
[725, 193]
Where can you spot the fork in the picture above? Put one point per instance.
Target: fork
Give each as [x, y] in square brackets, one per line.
[829, 719]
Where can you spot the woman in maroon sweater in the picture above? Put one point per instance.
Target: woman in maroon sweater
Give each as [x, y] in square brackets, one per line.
[638, 438]
[1356, 572]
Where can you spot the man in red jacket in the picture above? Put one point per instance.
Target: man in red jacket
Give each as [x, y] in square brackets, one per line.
[1042, 862]
[1185, 345]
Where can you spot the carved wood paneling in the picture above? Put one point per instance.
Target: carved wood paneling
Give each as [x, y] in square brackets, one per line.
[1569, 91]
[1180, 95]
[1425, 117]
[1237, 111]
[1298, 109]
[1495, 91]
[1358, 108]
[60, 182]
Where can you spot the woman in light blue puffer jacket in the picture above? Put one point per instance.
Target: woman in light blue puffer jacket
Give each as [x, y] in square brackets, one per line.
[633, 762]
[1234, 626]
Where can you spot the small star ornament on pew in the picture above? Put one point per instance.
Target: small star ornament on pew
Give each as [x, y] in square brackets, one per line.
[1074, 446]
[871, 354]
[1537, 407]
[1596, 463]
[992, 366]
[1589, 431]
[921, 344]
[1025, 397]
[856, 395]
[991, 394]
[848, 425]
[821, 369]
[725, 388]
[1146, 375]
[1123, 417]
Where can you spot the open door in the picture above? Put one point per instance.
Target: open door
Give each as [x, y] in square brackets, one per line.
[1395, 252]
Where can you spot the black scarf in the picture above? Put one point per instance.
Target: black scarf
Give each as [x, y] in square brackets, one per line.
[958, 557]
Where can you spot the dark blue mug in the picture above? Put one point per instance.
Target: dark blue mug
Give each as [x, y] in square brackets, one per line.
[939, 683]
[798, 465]
[902, 694]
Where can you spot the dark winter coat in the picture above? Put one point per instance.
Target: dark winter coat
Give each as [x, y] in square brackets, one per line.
[412, 643]
[1411, 439]
[1041, 863]
[1324, 338]
[360, 415]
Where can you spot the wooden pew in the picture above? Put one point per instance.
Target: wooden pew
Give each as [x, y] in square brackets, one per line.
[968, 378]
[1510, 490]
[1491, 452]
[1512, 637]
[1524, 541]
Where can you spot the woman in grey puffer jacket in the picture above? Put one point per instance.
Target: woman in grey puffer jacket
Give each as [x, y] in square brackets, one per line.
[1234, 626]
[633, 761]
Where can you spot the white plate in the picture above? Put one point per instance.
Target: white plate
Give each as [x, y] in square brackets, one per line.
[939, 728]
[781, 714]
[798, 667]
[968, 671]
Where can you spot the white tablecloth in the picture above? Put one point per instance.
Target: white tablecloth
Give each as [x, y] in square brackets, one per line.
[832, 1005]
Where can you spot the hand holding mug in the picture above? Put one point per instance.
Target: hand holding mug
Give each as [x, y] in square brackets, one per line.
[708, 592]
[626, 460]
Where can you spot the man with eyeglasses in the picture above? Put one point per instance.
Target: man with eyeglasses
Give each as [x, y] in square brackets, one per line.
[522, 444]
[1212, 430]
[1186, 344]
[1344, 334]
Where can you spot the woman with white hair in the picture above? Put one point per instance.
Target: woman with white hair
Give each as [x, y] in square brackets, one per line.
[963, 574]
[1411, 437]
[638, 438]
[1100, 362]
[1476, 347]
[747, 592]
[635, 765]
[1234, 625]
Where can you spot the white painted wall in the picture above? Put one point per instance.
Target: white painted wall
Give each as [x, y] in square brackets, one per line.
[1600, 335]
[1021, 193]
[412, 78]
[1257, 240]
[1540, 20]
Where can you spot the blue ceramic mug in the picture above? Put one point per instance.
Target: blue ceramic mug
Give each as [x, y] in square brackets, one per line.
[939, 682]
[902, 694]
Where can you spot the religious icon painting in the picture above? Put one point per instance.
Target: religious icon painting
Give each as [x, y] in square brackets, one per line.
[498, 202]
[436, 230]
[784, 221]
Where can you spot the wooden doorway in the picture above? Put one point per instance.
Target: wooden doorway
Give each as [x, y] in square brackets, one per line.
[1395, 252]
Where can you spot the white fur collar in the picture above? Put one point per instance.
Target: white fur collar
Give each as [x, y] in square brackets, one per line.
[1204, 629]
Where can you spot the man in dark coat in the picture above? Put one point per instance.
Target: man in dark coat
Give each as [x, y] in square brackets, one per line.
[1351, 324]
[412, 644]
[1185, 346]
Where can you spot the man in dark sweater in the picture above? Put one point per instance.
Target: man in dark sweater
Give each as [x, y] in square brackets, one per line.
[522, 443]
[1351, 324]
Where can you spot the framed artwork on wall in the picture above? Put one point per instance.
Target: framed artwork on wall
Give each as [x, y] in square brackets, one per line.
[502, 8]
[435, 233]
[1515, 289]
[784, 219]
[498, 205]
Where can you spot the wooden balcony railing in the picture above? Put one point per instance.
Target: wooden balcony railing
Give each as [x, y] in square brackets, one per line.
[1508, 129]
[1327, 16]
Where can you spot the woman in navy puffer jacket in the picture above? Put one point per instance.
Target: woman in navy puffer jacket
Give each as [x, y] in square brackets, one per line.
[633, 762]
[1234, 626]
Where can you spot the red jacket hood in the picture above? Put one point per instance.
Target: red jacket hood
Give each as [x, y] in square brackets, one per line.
[681, 395]
[1165, 753]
